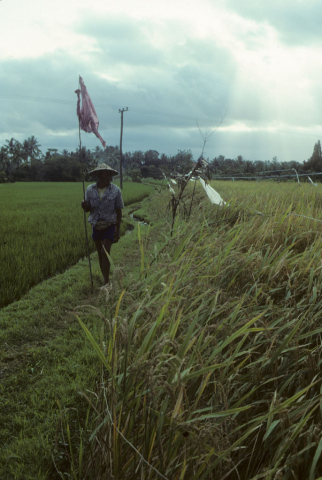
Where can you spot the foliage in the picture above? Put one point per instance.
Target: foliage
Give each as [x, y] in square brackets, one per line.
[314, 164]
[46, 367]
[212, 360]
[209, 363]
[25, 162]
[44, 364]
[42, 232]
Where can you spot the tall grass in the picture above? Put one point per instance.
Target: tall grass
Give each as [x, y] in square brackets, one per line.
[212, 361]
[42, 232]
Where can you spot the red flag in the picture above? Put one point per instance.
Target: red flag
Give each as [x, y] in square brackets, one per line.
[88, 119]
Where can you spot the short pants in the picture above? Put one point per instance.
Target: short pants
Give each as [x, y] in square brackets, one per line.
[103, 234]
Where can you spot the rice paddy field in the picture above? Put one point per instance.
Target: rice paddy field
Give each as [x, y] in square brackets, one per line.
[213, 358]
[206, 359]
[42, 232]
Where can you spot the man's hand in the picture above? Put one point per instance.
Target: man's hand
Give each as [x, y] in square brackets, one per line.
[86, 206]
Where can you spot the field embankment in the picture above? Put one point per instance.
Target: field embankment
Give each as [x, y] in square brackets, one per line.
[46, 366]
[208, 358]
[42, 232]
[212, 361]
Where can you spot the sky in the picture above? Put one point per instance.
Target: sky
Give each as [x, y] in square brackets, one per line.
[244, 75]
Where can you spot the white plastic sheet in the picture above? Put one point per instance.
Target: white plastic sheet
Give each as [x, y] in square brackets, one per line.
[171, 189]
[213, 196]
[312, 183]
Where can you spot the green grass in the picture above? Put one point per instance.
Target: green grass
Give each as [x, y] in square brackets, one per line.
[42, 232]
[207, 353]
[46, 368]
[43, 364]
[213, 358]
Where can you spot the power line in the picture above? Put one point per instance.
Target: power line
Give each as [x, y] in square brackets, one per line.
[134, 109]
[266, 177]
[99, 105]
[272, 171]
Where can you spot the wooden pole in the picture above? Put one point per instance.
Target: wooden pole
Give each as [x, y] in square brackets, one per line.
[85, 225]
[121, 111]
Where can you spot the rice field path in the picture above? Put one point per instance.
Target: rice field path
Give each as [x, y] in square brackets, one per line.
[45, 361]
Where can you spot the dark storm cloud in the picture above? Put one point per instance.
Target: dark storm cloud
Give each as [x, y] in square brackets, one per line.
[191, 77]
[191, 90]
[166, 87]
[168, 76]
[120, 40]
[298, 23]
[162, 124]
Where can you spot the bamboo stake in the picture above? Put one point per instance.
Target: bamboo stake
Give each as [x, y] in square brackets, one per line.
[83, 175]
[193, 194]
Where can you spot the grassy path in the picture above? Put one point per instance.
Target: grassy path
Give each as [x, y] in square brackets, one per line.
[45, 363]
[212, 356]
[32, 248]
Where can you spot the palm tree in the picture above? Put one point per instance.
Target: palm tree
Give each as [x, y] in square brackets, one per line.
[31, 148]
[5, 164]
[14, 151]
[97, 152]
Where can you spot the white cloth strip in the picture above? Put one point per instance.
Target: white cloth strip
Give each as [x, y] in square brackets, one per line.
[213, 196]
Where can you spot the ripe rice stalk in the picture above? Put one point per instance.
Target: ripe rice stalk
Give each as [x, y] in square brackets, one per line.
[221, 376]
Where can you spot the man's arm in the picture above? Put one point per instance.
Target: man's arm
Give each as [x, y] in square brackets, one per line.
[86, 204]
[118, 224]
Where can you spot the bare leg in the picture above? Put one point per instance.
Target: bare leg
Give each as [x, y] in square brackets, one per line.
[105, 266]
[98, 244]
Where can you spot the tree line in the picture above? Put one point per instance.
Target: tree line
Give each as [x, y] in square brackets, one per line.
[26, 162]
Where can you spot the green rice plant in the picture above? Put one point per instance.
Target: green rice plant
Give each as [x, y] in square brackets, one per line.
[214, 357]
[42, 232]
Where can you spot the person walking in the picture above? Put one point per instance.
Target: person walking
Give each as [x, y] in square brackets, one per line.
[104, 201]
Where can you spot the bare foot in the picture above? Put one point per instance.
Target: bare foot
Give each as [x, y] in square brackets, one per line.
[107, 286]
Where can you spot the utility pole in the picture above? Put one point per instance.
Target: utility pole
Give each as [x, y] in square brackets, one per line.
[121, 111]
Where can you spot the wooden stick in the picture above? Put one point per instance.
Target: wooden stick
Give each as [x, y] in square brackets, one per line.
[85, 225]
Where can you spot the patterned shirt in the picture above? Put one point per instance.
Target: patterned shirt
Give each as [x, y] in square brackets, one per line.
[104, 209]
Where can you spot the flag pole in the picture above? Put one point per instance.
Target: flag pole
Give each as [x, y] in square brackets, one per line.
[83, 175]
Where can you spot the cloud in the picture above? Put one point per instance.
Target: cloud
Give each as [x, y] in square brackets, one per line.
[297, 22]
[170, 63]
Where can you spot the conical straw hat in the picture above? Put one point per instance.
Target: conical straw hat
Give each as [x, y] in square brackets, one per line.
[103, 167]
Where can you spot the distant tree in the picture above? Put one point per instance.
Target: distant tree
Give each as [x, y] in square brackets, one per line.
[314, 163]
[144, 171]
[14, 152]
[21, 173]
[5, 165]
[135, 174]
[151, 171]
[249, 167]
[317, 149]
[30, 148]
[35, 170]
[137, 158]
[133, 161]
[97, 152]
[182, 162]
[217, 165]
[151, 157]
[51, 152]
[113, 158]
[86, 158]
[3, 177]
[59, 168]
[259, 166]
